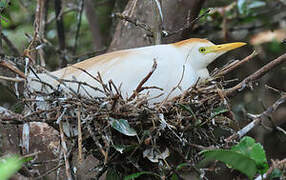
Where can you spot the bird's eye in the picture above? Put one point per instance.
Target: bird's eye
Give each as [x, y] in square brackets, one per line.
[202, 50]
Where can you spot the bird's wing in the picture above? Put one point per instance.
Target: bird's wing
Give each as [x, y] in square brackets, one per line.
[99, 63]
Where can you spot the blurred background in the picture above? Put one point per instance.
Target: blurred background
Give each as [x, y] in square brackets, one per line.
[68, 31]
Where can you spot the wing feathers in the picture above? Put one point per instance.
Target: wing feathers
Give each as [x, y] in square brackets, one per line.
[98, 62]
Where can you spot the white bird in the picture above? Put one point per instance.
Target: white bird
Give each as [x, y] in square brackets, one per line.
[178, 65]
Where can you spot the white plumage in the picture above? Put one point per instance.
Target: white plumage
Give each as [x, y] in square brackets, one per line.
[178, 63]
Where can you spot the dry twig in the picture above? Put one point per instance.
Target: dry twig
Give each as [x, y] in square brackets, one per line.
[139, 88]
[255, 76]
[256, 119]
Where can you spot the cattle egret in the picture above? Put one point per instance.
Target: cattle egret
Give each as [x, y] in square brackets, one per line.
[179, 65]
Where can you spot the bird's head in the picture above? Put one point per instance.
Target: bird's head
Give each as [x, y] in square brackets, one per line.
[201, 52]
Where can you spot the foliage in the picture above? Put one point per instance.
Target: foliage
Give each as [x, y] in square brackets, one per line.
[122, 126]
[10, 165]
[247, 157]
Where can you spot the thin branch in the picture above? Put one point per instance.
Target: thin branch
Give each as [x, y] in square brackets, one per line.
[68, 10]
[49, 171]
[12, 67]
[64, 145]
[79, 140]
[39, 23]
[257, 119]
[255, 76]
[134, 21]
[187, 26]
[157, 26]
[79, 15]
[12, 79]
[229, 69]
[61, 32]
[143, 81]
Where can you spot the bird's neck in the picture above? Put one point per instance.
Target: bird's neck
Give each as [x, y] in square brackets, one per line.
[203, 73]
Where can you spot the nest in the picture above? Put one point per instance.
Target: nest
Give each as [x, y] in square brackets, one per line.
[132, 136]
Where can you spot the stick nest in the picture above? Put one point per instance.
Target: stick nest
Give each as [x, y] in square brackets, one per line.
[132, 136]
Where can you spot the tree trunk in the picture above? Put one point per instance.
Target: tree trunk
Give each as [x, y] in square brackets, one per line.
[176, 14]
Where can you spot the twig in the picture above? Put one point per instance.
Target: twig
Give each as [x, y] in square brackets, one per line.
[134, 21]
[61, 32]
[79, 139]
[255, 76]
[131, 10]
[65, 150]
[79, 15]
[96, 140]
[26, 138]
[143, 81]
[32, 154]
[39, 23]
[157, 26]
[12, 67]
[187, 26]
[257, 119]
[236, 65]
[12, 79]
[66, 11]
[49, 171]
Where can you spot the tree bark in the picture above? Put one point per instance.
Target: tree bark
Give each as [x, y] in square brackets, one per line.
[175, 13]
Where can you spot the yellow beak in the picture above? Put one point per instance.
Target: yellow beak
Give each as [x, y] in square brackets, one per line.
[224, 47]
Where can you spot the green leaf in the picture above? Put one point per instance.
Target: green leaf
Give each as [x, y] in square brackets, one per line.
[255, 151]
[138, 174]
[218, 111]
[122, 126]
[9, 166]
[236, 160]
